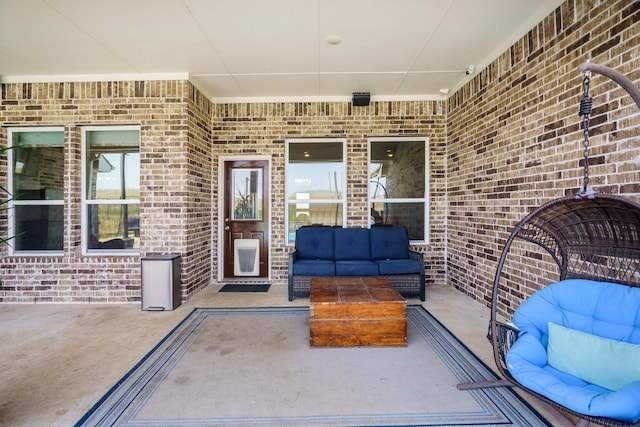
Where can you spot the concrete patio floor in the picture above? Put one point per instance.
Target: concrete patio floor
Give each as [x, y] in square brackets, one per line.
[58, 360]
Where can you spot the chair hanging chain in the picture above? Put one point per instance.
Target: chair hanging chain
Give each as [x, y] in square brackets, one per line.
[585, 112]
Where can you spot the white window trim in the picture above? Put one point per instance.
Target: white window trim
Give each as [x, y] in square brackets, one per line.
[426, 199]
[12, 203]
[343, 200]
[86, 202]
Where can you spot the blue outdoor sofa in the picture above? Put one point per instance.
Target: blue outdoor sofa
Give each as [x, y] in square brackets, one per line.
[379, 251]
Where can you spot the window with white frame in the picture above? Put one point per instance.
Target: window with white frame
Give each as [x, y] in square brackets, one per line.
[316, 184]
[111, 189]
[36, 185]
[399, 184]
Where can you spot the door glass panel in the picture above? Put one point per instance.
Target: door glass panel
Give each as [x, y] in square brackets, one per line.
[246, 185]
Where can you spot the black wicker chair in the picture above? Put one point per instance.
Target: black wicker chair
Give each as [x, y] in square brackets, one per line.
[592, 238]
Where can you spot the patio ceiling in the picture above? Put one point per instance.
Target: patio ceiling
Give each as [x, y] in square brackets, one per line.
[242, 50]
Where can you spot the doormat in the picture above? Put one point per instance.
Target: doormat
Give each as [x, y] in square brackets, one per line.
[245, 288]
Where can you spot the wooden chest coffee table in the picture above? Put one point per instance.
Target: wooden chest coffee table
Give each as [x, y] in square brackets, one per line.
[356, 311]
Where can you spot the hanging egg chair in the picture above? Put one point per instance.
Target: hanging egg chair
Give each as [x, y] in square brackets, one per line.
[574, 344]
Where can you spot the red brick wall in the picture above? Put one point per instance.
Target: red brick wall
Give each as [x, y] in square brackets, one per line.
[515, 139]
[260, 129]
[507, 141]
[175, 123]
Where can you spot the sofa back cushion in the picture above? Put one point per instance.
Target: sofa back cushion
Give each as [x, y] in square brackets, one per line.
[314, 267]
[389, 243]
[314, 243]
[351, 244]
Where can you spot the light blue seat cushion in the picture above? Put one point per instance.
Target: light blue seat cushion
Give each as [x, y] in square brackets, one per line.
[611, 364]
[351, 244]
[314, 267]
[599, 308]
[356, 268]
[314, 243]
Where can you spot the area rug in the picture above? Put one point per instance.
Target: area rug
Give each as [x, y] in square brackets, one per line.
[254, 367]
[245, 288]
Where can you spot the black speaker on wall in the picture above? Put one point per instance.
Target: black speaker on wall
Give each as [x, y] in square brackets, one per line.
[361, 99]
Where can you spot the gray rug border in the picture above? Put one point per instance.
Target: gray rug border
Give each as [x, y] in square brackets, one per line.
[510, 408]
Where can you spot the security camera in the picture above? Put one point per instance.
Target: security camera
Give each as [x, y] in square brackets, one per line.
[469, 70]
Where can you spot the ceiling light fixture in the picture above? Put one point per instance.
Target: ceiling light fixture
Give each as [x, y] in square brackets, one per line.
[333, 40]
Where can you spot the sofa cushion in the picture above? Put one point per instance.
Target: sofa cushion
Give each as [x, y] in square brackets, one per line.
[398, 266]
[351, 244]
[389, 243]
[314, 267]
[314, 243]
[356, 268]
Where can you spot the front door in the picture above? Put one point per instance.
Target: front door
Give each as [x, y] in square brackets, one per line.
[246, 219]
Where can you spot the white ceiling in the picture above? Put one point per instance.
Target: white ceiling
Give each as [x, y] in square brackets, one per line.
[242, 50]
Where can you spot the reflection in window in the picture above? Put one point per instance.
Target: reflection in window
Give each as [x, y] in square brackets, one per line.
[36, 183]
[398, 192]
[247, 194]
[315, 187]
[112, 188]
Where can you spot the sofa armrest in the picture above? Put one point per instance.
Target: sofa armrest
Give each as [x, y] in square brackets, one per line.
[415, 254]
[292, 258]
[419, 256]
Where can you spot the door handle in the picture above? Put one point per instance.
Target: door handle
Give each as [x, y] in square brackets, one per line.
[226, 228]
